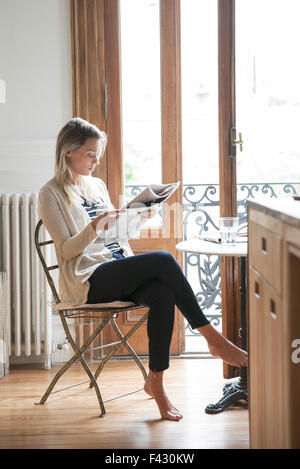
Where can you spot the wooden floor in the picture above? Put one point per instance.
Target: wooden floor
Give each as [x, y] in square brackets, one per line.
[70, 419]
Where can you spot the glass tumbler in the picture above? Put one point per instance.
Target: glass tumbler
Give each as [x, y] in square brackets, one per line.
[228, 230]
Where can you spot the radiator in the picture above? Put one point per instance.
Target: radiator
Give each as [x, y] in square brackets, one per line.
[29, 296]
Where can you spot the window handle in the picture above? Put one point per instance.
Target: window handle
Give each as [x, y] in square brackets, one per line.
[235, 142]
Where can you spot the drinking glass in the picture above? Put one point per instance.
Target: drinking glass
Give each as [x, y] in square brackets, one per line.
[228, 230]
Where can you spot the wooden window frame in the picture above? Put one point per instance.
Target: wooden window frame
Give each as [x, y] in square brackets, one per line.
[230, 275]
[95, 38]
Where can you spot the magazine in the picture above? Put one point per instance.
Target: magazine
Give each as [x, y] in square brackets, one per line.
[216, 238]
[153, 194]
[129, 223]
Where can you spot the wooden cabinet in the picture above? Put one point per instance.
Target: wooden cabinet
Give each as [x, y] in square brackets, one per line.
[274, 323]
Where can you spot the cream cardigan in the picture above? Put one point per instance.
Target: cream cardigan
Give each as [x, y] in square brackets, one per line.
[78, 249]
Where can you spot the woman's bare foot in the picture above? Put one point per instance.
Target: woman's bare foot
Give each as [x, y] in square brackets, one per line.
[154, 387]
[222, 348]
[147, 387]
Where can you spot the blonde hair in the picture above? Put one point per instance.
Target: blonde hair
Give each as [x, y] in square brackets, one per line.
[71, 137]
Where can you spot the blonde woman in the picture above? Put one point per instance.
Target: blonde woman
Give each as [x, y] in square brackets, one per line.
[96, 270]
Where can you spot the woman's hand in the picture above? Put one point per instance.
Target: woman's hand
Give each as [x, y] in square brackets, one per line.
[150, 213]
[106, 219]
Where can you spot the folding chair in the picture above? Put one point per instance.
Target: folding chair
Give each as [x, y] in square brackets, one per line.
[110, 312]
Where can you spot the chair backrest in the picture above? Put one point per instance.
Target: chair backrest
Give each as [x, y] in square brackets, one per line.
[42, 259]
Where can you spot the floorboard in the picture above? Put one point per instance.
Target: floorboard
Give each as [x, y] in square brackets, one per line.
[69, 419]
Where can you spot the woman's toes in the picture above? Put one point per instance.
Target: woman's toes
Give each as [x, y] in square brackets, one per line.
[169, 415]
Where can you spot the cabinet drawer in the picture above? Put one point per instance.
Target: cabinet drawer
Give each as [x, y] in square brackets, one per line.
[274, 369]
[257, 365]
[265, 364]
[265, 254]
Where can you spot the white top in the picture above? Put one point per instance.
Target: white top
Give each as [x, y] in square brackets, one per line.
[199, 246]
[78, 249]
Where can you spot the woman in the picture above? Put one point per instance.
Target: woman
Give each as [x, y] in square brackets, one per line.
[94, 269]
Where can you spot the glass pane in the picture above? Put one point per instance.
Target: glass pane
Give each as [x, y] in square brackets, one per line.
[141, 97]
[200, 145]
[268, 97]
[199, 58]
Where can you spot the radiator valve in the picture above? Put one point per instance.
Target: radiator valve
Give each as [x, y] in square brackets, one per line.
[64, 345]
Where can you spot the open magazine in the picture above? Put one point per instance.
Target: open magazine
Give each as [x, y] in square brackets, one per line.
[129, 223]
[153, 194]
[216, 237]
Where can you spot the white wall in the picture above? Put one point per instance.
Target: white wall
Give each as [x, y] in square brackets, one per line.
[35, 66]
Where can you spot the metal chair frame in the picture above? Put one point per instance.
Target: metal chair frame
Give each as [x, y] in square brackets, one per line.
[110, 315]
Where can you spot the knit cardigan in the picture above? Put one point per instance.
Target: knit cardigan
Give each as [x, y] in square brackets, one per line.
[79, 250]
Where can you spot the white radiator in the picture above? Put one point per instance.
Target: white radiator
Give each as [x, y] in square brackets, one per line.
[29, 296]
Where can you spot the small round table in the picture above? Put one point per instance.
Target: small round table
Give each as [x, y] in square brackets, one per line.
[234, 392]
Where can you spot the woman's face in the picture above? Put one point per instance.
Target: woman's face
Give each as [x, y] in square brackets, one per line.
[84, 160]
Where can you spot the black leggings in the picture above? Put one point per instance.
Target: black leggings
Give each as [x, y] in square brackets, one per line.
[154, 280]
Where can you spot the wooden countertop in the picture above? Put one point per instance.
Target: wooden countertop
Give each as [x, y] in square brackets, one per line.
[286, 209]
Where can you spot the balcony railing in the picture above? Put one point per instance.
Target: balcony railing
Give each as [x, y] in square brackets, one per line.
[201, 211]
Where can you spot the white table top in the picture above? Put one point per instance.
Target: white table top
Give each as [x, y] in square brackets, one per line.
[199, 246]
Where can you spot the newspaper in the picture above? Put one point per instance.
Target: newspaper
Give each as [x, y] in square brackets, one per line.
[129, 223]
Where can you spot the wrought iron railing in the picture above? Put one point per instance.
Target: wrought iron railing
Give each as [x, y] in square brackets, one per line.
[201, 211]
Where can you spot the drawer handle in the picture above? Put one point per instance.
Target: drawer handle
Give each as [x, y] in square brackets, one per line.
[273, 309]
[256, 290]
[264, 245]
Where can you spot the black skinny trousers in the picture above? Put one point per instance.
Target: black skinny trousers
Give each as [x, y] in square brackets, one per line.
[154, 280]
